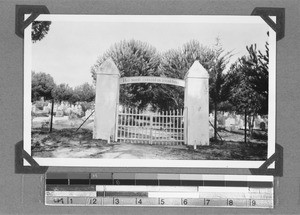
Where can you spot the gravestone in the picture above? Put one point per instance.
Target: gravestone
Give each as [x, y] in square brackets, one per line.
[230, 120]
[256, 124]
[241, 124]
[60, 107]
[196, 123]
[79, 111]
[33, 108]
[87, 113]
[221, 120]
[230, 123]
[46, 109]
[262, 126]
[106, 101]
[59, 113]
[67, 111]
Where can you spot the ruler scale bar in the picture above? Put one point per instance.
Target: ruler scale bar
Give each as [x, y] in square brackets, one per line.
[178, 190]
[176, 202]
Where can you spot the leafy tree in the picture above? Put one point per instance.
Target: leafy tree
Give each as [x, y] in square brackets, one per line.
[62, 92]
[83, 93]
[243, 97]
[248, 81]
[175, 64]
[42, 85]
[259, 75]
[218, 92]
[39, 30]
[133, 58]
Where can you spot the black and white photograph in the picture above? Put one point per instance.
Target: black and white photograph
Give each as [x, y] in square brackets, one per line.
[149, 91]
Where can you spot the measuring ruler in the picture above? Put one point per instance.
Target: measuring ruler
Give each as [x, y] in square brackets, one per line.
[149, 189]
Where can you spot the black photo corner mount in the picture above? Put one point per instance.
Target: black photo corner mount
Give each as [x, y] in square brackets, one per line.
[266, 12]
[33, 10]
[276, 158]
[20, 155]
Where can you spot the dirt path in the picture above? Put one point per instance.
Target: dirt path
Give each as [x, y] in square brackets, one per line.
[70, 144]
[120, 151]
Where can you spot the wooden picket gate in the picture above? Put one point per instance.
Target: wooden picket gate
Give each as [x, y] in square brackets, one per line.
[164, 127]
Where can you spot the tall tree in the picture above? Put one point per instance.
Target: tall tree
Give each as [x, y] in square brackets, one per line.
[175, 64]
[133, 58]
[243, 97]
[42, 85]
[218, 92]
[248, 79]
[83, 93]
[259, 72]
[62, 92]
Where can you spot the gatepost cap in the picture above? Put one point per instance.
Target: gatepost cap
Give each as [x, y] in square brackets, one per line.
[197, 71]
[108, 67]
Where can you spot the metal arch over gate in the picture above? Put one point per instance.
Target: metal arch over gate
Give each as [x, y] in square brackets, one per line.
[153, 128]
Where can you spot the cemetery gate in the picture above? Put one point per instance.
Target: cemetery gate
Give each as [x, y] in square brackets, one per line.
[135, 126]
[164, 127]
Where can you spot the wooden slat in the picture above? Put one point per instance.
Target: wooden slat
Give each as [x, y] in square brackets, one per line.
[176, 126]
[143, 131]
[167, 124]
[123, 125]
[135, 124]
[182, 125]
[128, 128]
[138, 123]
[163, 126]
[126, 122]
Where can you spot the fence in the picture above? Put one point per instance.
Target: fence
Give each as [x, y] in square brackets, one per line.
[164, 127]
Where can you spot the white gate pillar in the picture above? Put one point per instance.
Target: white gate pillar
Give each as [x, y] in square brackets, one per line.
[107, 98]
[196, 104]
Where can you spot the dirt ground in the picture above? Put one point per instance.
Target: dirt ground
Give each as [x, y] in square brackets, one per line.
[67, 143]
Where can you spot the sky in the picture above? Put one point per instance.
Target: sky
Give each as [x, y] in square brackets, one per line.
[70, 48]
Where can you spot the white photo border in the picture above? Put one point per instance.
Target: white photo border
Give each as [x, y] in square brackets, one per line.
[98, 162]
